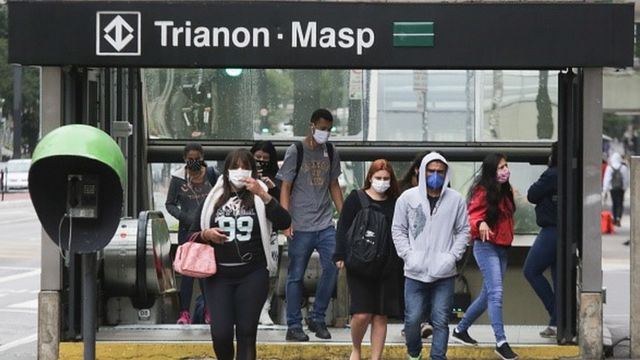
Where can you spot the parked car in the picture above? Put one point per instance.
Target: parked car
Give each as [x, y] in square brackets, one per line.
[17, 174]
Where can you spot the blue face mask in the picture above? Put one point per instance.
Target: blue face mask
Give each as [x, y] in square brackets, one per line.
[435, 181]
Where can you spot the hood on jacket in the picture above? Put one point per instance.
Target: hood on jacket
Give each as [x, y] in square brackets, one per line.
[422, 178]
[179, 173]
[615, 161]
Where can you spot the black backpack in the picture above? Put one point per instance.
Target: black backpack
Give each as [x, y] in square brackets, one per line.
[368, 240]
[617, 183]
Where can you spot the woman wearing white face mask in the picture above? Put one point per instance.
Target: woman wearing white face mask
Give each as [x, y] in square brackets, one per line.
[237, 219]
[375, 297]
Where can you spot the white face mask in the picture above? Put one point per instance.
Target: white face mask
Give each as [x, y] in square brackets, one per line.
[321, 136]
[236, 174]
[380, 186]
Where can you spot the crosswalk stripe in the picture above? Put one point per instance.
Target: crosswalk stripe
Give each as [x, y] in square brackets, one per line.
[22, 311]
[16, 343]
[17, 268]
[19, 276]
[31, 304]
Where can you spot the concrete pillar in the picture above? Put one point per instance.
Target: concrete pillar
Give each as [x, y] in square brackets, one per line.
[51, 274]
[590, 312]
[634, 325]
[48, 325]
[590, 325]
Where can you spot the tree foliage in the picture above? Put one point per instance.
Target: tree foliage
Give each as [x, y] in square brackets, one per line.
[30, 92]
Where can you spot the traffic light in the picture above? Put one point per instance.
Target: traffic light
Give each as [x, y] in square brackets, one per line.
[233, 72]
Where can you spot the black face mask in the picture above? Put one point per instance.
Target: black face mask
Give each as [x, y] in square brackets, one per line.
[195, 165]
[261, 165]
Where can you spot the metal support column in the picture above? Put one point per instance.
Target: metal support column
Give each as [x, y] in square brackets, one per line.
[89, 295]
[569, 97]
[590, 326]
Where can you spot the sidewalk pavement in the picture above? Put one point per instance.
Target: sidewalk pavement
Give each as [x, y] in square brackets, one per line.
[113, 342]
[9, 198]
[616, 280]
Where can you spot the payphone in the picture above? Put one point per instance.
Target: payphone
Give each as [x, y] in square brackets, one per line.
[76, 183]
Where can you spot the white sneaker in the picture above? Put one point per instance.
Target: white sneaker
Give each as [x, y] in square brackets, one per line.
[265, 318]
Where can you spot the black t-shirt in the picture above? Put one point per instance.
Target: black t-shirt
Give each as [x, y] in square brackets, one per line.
[244, 243]
[432, 202]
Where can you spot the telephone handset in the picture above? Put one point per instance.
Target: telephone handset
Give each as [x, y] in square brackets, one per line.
[82, 196]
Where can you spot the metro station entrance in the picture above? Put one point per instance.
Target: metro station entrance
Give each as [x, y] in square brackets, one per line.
[155, 75]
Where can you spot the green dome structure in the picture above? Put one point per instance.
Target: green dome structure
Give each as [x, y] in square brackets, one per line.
[76, 183]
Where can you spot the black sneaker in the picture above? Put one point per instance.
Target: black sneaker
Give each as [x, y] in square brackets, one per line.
[505, 352]
[463, 338]
[319, 328]
[296, 334]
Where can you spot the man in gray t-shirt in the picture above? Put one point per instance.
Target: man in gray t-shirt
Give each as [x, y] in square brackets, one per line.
[306, 196]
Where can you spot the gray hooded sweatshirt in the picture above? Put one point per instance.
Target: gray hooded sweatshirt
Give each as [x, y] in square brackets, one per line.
[430, 243]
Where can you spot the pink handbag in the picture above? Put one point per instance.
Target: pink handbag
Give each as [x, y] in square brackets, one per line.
[194, 259]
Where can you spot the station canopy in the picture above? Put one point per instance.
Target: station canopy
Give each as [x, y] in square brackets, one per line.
[321, 34]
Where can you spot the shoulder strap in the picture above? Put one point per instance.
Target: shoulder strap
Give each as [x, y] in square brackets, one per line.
[299, 155]
[330, 153]
[364, 200]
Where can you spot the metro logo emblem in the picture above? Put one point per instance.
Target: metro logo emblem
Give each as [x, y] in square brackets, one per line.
[118, 33]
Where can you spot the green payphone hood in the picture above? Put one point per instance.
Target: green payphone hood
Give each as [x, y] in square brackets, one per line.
[82, 141]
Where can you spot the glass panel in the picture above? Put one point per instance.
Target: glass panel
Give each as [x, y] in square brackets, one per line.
[245, 104]
[370, 105]
[421, 105]
[519, 106]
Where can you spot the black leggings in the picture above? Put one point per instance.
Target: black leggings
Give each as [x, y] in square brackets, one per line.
[235, 297]
[617, 200]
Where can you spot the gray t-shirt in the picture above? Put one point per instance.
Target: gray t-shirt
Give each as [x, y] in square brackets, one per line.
[310, 206]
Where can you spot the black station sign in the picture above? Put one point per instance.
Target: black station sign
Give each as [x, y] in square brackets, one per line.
[321, 34]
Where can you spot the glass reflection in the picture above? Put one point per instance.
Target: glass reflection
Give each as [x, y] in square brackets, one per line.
[518, 106]
[368, 105]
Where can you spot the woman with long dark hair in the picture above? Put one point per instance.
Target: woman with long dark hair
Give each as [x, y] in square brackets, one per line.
[187, 190]
[237, 219]
[264, 153]
[373, 298]
[491, 208]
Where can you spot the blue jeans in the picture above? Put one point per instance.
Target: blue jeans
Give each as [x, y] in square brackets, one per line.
[541, 256]
[492, 261]
[300, 248]
[417, 296]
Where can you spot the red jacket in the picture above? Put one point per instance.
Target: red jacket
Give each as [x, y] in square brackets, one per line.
[503, 229]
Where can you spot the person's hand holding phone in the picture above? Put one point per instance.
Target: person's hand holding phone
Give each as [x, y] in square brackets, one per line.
[214, 235]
